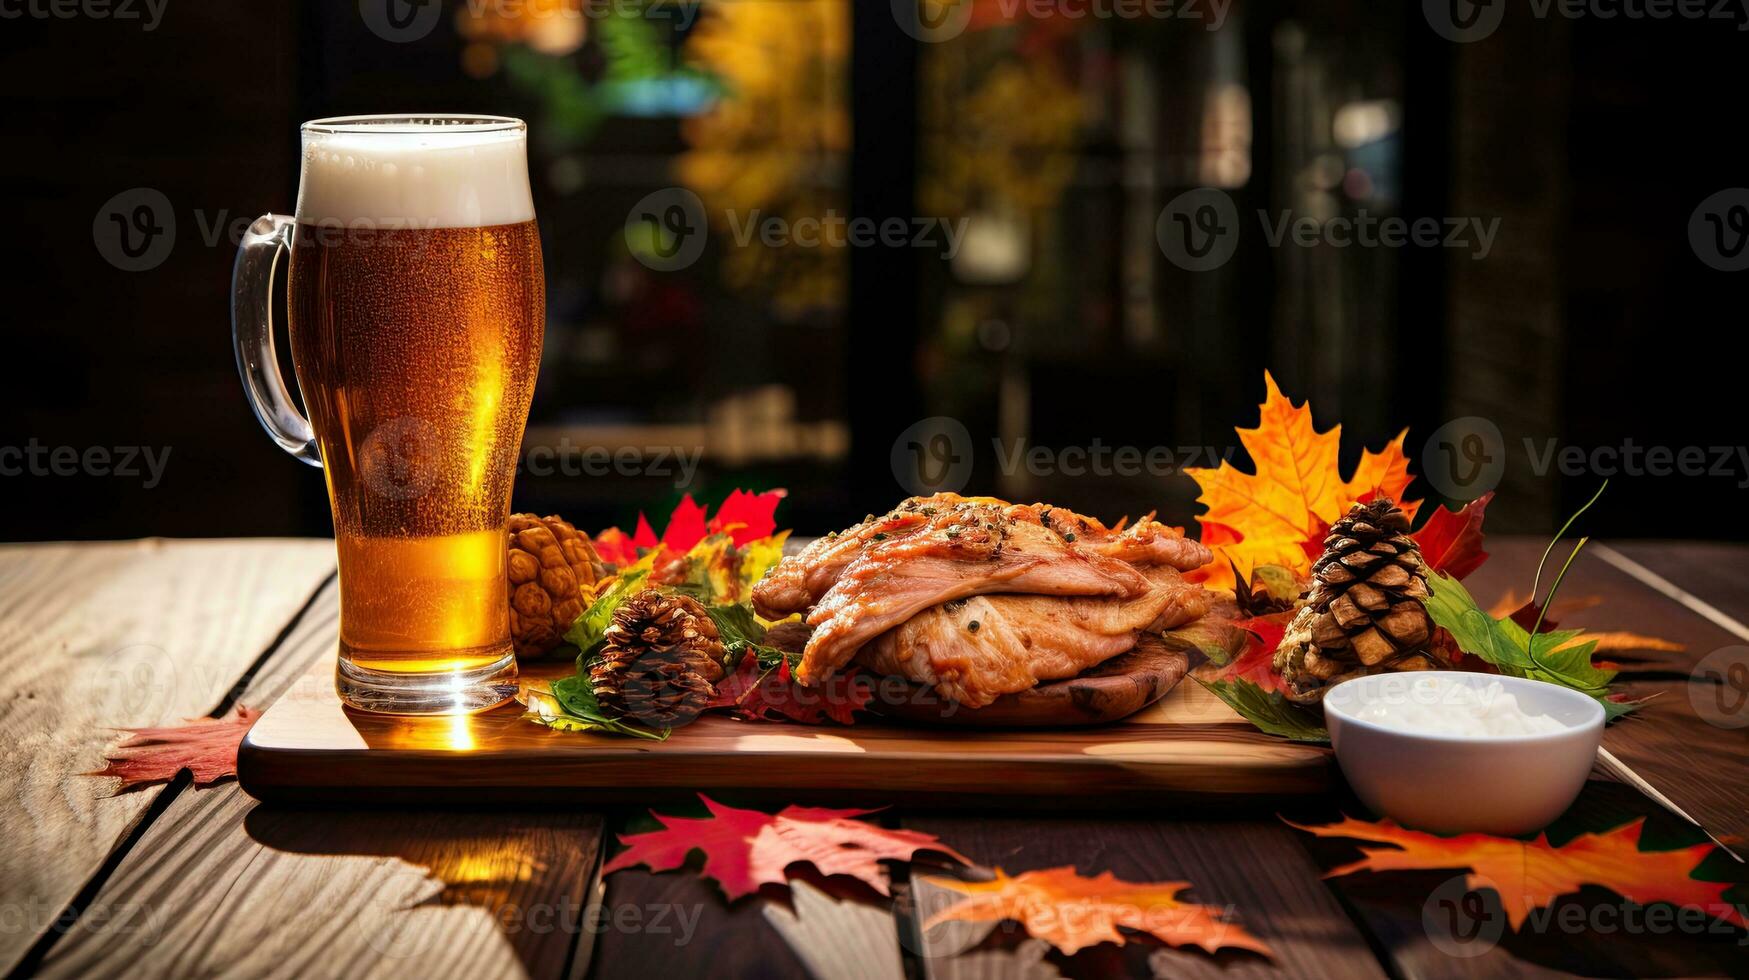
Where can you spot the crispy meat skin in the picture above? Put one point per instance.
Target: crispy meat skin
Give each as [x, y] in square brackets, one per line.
[1021, 640]
[932, 550]
[800, 581]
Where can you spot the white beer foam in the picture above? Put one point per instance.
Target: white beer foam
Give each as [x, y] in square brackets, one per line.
[415, 175]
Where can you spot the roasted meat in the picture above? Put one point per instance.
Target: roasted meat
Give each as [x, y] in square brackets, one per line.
[931, 550]
[977, 649]
[801, 581]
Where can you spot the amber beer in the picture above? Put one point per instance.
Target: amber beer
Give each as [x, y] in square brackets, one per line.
[417, 308]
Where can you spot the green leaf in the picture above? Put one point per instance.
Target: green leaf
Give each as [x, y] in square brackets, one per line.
[1561, 657]
[587, 631]
[1269, 710]
[740, 631]
[736, 623]
[569, 704]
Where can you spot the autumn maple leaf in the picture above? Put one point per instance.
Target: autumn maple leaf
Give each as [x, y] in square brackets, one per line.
[1298, 482]
[206, 747]
[744, 849]
[1071, 911]
[1530, 875]
[757, 693]
[1255, 661]
[744, 516]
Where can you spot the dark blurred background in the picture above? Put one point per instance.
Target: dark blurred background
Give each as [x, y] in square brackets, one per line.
[1604, 310]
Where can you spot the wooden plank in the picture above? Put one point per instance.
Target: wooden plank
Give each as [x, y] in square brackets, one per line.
[1668, 743]
[695, 933]
[219, 884]
[1715, 573]
[96, 636]
[1187, 748]
[841, 938]
[1255, 867]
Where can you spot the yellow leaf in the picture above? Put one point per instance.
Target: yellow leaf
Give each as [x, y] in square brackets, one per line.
[1298, 483]
[1618, 641]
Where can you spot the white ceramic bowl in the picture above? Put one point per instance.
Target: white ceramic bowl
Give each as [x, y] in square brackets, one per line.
[1495, 784]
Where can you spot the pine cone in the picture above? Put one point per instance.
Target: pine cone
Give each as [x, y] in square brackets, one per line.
[660, 656]
[553, 571]
[1366, 612]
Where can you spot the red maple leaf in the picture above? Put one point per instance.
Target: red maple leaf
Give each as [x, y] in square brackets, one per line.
[686, 527]
[1451, 540]
[642, 535]
[616, 548]
[754, 693]
[747, 516]
[744, 849]
[1255, 661]
[206, 747]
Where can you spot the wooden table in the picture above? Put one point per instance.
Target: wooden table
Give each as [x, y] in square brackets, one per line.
[178, 881]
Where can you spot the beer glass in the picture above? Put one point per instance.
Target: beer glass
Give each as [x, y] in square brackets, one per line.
[417, 307]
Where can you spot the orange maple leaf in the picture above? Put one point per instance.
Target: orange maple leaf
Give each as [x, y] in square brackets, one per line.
[206, 747]
[1071, 911]
[1298, 483]
[744, 849]
[1532, 874]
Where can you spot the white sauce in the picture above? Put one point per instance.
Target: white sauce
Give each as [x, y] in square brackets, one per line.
[1434, 706]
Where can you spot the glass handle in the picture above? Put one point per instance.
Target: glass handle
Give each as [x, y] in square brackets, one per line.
[252, 335]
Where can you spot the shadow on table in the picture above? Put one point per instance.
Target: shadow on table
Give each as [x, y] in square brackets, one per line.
[429, 883]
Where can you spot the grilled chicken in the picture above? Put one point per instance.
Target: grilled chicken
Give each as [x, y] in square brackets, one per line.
[933, 550]
[977, 649]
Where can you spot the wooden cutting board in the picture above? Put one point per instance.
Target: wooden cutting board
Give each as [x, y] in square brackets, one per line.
[1186, 747]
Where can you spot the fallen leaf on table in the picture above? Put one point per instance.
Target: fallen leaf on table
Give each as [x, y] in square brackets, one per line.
[1531, 875]
[206, 747]
[1298, 481]
[744, 849]
[1071, 911]
[1524, 612]
[1619, 640]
